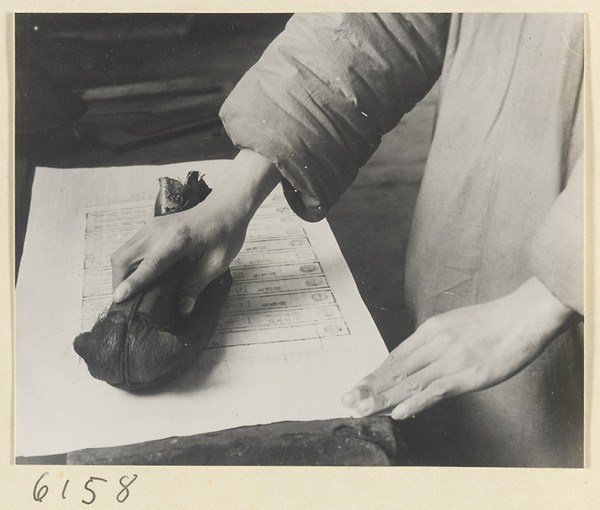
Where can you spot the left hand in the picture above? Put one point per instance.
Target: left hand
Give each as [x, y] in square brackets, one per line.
[467, 349]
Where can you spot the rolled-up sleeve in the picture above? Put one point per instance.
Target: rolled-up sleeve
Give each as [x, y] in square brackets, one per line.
[325, 91]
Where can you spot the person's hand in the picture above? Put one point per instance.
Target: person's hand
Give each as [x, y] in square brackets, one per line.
[209, 235]
[467, 349]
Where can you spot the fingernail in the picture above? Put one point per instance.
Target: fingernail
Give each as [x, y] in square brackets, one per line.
[399, 414]
[186, 305]
[354, 396]
[364, 406]
[350, 398]
[121, 292]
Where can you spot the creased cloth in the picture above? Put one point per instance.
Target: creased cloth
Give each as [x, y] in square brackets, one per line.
[502, 194]
[326, 90]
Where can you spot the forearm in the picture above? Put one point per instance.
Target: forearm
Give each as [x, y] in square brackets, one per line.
[557, 250]
[247, 182]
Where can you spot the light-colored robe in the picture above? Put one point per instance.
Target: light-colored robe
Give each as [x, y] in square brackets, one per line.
[502, 194]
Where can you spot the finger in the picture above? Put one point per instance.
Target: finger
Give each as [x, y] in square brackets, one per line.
[393, 370]
[149, 268]
[409, 386]
[124, 261]
[414, 342]
[411, 355]
[438, 390]
[127, 256]
[202, 273]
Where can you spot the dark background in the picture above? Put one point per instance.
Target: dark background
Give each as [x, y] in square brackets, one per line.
[62, 57]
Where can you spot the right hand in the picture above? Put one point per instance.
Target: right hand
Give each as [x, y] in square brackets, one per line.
[209, 235]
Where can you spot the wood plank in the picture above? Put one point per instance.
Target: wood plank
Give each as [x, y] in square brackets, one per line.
[340, 442]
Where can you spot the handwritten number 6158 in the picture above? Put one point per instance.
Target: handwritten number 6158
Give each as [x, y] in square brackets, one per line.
[40, 489]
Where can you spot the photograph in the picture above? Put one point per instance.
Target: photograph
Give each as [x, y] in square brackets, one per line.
[299, 239]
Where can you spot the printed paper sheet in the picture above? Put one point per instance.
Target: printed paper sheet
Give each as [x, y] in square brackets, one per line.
[293, 334]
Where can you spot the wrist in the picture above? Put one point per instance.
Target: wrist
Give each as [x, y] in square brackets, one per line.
[546, 314]
[247, 182]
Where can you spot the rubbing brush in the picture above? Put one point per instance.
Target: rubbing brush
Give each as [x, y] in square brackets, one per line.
[143, 343]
